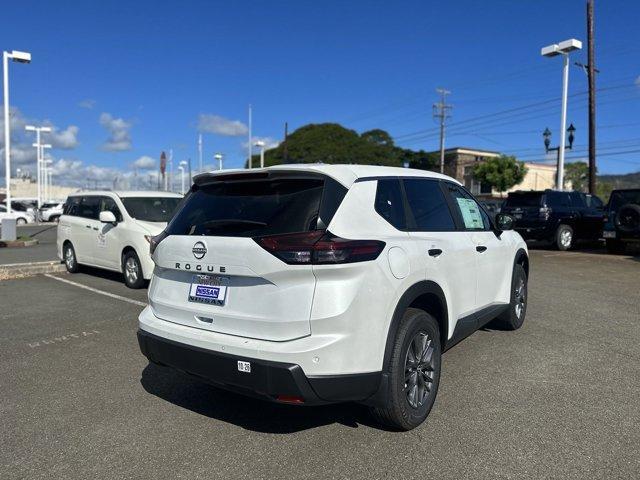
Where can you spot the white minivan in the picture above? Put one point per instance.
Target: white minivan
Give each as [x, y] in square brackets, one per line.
[112, 230]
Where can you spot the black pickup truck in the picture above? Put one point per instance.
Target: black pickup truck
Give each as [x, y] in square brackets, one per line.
[558, 217]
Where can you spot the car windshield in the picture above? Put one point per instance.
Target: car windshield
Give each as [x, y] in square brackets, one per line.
[151, 209]
[250, 208]
[524, 199]
[620, 198]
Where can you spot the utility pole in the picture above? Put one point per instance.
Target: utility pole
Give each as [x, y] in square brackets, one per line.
[440, 112]
[591, 72]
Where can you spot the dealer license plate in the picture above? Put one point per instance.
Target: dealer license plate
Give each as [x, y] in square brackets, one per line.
[209, 289]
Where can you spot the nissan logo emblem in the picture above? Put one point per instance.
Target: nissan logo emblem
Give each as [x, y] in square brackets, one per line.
[199, 250]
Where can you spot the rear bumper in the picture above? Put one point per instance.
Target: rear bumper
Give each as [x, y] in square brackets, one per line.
[267, 379]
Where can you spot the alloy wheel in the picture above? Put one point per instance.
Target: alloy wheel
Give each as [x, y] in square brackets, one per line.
[131, 270]
[419, 370]
[520, 298]
[69, 258]
[565, 238]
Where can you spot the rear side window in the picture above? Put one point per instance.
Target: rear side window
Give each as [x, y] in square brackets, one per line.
[71, 206]
[256, 207]
[428, 206]
[577, 199]
[524, 199]
[557, 199]
[389, 204]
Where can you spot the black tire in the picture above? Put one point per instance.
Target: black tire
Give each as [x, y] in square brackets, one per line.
[615, 246]
[132, 270]
[564, 237]
[21, 221]
[417, 330]
[513, 318]
[70, 259]
[54, 219]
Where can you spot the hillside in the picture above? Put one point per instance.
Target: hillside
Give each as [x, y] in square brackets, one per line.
[629, 180]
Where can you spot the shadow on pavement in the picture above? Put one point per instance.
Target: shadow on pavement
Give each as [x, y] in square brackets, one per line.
[246, 412]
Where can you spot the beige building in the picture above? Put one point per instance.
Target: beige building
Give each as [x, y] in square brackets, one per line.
[28, 188]
[459, 163]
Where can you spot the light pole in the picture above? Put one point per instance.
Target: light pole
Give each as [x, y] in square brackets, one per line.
[218, 156]
[562, 48]
[20, 57]
[39, 150]
[260, 144]
[181, 168]
[47, 179]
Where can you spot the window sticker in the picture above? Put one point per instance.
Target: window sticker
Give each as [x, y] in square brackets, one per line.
[470, 213]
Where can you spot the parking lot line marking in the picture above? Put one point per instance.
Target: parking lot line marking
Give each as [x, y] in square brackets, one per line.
[95, 290]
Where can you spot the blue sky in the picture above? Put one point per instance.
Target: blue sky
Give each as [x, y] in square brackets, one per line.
[121, 81]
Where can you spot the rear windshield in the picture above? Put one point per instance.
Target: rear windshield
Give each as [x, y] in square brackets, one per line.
[151, 209]
[269, 206]
[618, 199]
[524, 199]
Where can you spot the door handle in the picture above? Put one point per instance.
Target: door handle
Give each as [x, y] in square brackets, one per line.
[88, 226]
[480, 248]
[95, 228]
[435, 252]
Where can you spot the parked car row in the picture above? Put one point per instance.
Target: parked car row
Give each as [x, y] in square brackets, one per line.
[563, 218]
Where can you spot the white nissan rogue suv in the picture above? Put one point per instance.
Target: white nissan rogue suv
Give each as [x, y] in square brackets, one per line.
[312, 284]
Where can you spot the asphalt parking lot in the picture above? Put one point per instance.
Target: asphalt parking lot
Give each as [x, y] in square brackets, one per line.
[559, 398]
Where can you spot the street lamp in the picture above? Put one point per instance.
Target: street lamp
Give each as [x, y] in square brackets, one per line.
[20, 57]
[47, 179]
[39, 154]
[260, 144]
[218, 156]
[562, 48]
[181, 168]
[547, 141]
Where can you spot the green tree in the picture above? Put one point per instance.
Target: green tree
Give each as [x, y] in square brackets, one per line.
[576, 174]
[333, 143]
[501, 172]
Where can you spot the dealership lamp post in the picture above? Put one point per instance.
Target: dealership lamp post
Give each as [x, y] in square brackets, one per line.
[181, 168]
[547, 141]
[47, 179]
[218, 157]
[562, 48]
[20, 57]
[39, 153]
[260, 144]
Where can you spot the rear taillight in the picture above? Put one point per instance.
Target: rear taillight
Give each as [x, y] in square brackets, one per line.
[319, 248]
[155, 241]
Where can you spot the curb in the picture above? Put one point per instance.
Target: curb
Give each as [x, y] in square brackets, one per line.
[18, 270]
[18, 243]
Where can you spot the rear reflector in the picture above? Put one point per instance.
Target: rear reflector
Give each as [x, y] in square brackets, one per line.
[319, 248]
[290, 399]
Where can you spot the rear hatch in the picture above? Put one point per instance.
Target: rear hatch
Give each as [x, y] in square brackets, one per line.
[526, 208]
[213, 274]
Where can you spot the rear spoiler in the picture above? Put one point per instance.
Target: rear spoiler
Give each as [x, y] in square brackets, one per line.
[210, 178]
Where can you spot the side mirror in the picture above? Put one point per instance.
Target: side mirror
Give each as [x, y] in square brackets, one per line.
[504, 222]
[108, 217]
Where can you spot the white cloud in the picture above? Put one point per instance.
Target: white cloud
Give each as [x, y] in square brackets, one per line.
[119, 137]
[87, 103]
[144, 162]
[64, 139]
[221, 126]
